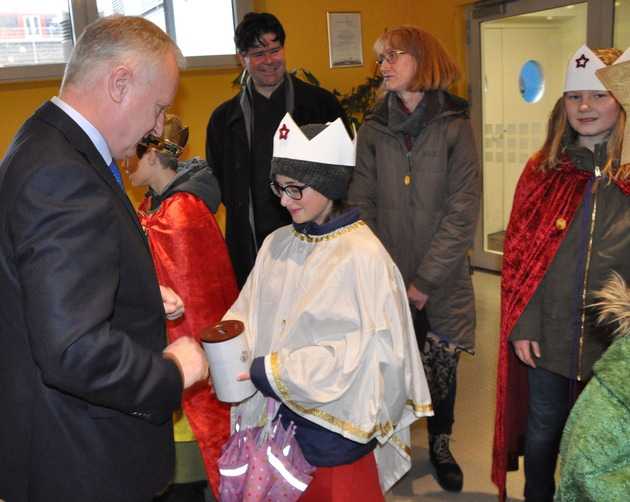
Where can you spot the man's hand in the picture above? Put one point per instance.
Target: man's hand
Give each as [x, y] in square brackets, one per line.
[524, 350]
[417, 297]
[190, 359]
[173, 304]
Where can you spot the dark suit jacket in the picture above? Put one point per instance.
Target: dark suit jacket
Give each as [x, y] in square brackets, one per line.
[86, 396]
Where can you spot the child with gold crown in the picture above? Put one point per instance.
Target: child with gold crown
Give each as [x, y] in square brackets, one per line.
[569, 227]
[328, 321]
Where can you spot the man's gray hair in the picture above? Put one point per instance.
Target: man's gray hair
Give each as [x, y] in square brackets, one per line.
[118, 39]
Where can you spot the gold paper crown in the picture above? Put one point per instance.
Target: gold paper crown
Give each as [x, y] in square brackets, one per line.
[173, 140]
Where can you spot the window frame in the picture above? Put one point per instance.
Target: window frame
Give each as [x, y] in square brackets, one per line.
[82, 13]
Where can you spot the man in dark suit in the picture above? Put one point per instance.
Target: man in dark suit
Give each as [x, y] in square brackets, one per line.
[86, 386]
[239, 137]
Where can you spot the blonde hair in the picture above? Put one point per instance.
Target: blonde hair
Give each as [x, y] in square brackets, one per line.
[435, 68]
[559, 130]
[613, 305]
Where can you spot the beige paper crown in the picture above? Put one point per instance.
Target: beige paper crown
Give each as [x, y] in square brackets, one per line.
[331, 146]
[616, 78]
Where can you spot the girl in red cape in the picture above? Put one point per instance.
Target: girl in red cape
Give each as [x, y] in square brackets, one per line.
[190, 257]
[569, 227]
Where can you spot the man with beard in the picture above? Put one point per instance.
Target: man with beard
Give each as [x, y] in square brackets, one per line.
[239, 138]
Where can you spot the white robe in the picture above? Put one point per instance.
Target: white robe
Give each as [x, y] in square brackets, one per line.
[331, 317]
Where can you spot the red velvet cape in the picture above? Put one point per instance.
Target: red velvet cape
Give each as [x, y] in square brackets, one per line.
[544, 206]
[191, 257]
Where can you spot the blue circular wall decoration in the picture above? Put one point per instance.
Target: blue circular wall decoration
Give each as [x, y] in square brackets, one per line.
[531, 81]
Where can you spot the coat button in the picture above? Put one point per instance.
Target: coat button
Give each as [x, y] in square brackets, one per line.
[561, 224]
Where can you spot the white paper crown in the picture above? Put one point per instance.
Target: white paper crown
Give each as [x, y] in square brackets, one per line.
[581, 71]
[331, 146]
[624, 57]
[582, 67]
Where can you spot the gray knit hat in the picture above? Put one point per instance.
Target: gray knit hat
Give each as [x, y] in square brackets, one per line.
[331, 180]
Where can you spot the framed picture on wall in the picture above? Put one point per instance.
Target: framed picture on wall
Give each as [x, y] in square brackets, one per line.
[345, 47]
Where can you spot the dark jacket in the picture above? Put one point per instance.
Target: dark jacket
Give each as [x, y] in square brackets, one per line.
[423, 204]
[85, 393]
[590, 249]
[228, 153]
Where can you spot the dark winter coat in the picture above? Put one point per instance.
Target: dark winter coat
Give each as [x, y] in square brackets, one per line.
[596, 242]
[423, 204]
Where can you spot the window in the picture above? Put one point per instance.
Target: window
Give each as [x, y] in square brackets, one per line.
[531, 81]
[200, 27]
[8, 22]
[32, 26]
[37, 36]
[200, 17]
[153, 10]
[34, 34]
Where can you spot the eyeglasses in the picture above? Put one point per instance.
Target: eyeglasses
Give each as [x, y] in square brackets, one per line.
[292, 191]
[259, 55]
[390, 56]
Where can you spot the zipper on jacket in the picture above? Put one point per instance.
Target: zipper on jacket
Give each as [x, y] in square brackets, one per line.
[407, 143]
[589, 253]
[407, 178]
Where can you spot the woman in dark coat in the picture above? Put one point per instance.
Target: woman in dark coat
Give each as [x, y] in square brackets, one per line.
[417, 184]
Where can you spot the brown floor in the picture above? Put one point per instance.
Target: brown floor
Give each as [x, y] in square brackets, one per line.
[474, 415]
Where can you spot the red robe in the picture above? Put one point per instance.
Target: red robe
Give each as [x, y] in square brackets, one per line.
[191, 257]
[544, 206]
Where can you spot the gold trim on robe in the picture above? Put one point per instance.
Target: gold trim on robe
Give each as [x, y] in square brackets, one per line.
[330, 315]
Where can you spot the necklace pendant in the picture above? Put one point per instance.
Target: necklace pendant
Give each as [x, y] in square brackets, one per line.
[407, 180]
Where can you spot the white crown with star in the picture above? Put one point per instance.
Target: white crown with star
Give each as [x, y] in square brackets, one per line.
[331, 146]
[581, 70]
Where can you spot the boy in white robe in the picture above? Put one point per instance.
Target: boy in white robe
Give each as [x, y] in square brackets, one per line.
[327, 318]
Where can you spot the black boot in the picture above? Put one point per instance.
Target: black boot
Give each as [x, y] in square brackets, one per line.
[449, 475]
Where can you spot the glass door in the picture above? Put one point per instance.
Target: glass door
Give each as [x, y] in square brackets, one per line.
[622, 24]
[518, 60]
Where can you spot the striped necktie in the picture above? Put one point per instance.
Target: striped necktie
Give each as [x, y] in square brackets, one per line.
[113, 167]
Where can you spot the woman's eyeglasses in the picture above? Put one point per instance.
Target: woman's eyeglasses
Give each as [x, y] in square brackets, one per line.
[390, 56]
[292, 191]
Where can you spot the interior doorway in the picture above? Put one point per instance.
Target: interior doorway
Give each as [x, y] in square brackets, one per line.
[518, 56]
